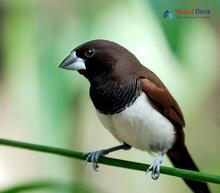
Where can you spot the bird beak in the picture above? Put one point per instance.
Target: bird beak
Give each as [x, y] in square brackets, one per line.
[72, 62]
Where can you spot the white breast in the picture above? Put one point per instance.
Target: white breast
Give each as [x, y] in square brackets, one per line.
[140, 126]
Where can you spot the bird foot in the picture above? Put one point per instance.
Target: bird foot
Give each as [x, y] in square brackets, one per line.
[155, 167]
[93, 157]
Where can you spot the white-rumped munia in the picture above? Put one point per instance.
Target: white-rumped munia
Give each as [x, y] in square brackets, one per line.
[133, 104]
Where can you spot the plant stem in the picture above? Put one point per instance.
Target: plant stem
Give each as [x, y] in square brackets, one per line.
[187, 174]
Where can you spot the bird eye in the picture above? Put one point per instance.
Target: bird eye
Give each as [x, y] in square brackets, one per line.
[89, 53]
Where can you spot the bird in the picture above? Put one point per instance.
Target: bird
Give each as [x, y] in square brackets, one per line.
[134, 105]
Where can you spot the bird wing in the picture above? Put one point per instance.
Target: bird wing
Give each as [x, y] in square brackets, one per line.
[161, 98]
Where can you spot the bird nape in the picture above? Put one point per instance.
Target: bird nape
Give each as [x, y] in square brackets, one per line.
[134, 105]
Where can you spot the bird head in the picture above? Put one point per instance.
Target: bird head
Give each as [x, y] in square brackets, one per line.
[100, 59]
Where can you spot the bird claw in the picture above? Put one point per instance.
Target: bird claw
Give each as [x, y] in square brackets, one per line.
[93, 157]
[155, 168]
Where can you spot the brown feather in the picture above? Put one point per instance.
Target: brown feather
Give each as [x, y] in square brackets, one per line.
[161, 97]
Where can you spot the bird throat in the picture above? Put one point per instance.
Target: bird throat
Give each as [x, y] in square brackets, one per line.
[112, 97]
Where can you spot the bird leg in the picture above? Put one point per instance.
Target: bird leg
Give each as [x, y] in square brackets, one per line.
[94, 156]
[155, 166]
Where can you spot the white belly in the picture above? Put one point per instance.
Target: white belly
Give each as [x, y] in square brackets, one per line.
[140, 126]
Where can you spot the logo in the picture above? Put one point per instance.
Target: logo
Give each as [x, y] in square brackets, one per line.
[193, 13]
[188, 13]
[168, 14]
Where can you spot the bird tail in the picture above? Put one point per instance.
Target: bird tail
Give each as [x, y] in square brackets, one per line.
[181, 158]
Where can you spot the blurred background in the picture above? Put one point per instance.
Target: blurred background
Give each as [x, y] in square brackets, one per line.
[40, 103]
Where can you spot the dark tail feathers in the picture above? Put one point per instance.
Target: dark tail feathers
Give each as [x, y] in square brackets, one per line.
[182, 159]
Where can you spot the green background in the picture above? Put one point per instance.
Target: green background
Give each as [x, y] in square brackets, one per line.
[40, 103]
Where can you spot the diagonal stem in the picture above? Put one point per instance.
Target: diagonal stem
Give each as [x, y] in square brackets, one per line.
[187, 174]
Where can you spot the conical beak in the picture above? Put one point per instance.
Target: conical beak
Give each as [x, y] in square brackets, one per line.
[72, 62]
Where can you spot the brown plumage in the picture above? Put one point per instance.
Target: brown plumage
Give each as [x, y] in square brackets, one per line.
[162, 98]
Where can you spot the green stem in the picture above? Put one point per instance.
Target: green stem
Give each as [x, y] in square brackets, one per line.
[187, 174]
